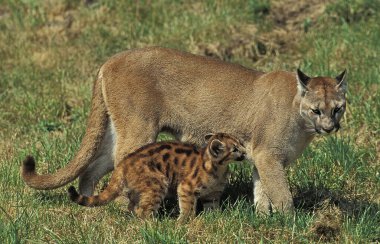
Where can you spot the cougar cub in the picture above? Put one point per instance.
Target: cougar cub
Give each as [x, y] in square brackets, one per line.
[152, 171]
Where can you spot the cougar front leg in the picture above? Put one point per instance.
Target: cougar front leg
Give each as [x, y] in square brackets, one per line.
[272, 183]
[261, 200]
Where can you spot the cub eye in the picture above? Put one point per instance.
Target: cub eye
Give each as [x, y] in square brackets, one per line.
[316, 111]
[235, 149]
[337, 109]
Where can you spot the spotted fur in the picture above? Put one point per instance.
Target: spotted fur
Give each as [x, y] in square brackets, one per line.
[155, 169]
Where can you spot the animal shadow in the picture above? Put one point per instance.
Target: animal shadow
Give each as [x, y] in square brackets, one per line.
[310, 199]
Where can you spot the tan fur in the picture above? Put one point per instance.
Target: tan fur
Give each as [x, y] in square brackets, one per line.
[96, 127]
[145, 91]
[153, 170]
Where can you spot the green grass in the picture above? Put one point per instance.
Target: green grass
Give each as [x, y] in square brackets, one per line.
[50, 52]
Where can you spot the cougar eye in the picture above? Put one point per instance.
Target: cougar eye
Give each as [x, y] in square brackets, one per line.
[235, 149]
[337, 109]
[316, 111]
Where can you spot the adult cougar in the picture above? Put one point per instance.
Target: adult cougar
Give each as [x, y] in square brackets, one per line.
[139, 93]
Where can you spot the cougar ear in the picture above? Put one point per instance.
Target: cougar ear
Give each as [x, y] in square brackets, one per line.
[302, 81]
[216, 147]
[341, 81]
[208, 136]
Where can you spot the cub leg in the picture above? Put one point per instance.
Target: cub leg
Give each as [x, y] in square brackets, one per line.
[212, 200]
[149, 204]
[152, 193]
[273, 182]
[186, 200]
[133, 198]
[261, 200]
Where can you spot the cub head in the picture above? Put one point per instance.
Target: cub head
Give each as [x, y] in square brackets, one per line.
[323, 101]
[224, 148]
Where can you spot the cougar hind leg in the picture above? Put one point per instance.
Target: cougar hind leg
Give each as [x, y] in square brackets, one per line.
[102, 164]
[131, 136]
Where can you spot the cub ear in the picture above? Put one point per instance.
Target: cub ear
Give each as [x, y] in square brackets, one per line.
[208, 136]
[341, 81]
[216, 147]
[302, 81]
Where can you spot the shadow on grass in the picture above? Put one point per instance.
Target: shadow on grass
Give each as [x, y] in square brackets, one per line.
[306, 199]
[239, 190]
[309, 199]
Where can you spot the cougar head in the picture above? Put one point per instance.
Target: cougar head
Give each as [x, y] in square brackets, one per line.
[323, 101]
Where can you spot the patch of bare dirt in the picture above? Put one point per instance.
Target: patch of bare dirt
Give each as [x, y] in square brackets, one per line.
[4, 12]
[59, 22]
[243, 42]
[290, 20]
[291, 15]
[328, 222]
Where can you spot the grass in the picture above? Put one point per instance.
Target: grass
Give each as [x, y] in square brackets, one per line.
[50, 52]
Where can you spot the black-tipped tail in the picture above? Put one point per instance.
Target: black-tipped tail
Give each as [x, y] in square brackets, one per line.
[29, 165]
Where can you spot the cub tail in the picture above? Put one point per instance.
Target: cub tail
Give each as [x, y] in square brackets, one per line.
[113, 190]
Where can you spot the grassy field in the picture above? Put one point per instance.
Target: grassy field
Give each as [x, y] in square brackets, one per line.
[50, 52]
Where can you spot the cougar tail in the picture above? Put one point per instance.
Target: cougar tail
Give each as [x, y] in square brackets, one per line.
[113, 190]
[96, 127]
